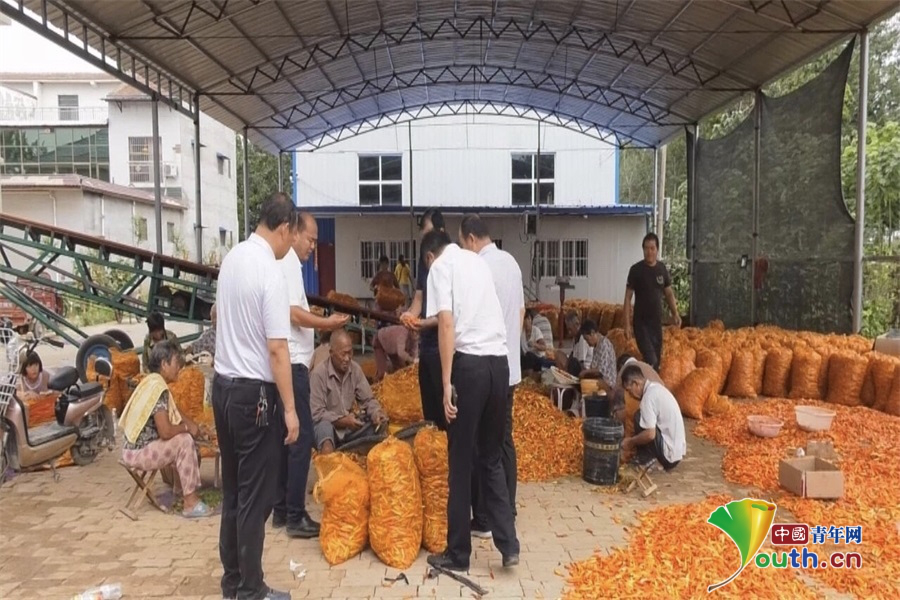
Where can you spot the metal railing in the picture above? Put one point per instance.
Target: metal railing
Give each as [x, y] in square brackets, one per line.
[44, 115]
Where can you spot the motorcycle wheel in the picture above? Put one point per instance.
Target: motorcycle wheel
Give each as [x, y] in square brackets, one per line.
[83, 454]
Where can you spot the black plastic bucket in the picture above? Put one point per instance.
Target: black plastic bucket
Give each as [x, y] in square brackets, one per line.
[602, 442]
[596, 405]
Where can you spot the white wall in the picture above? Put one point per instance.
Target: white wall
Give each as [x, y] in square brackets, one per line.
[176, 132]
[614, 244]
[461, 161]
[86, 212]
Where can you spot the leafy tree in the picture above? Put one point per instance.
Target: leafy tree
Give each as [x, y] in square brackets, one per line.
[263, 179]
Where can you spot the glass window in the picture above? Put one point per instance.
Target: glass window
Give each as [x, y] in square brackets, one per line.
[380, 180]
[391, 168]
[369, 195]
[525, 179]
[170, 232]
[369, 168]
[68, 107]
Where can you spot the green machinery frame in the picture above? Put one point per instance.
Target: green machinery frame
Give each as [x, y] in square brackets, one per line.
[67, 261]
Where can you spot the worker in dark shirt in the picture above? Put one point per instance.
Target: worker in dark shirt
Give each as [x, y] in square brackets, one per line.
[648, 281]
[430, 383]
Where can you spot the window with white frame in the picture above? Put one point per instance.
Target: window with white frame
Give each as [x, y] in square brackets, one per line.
[140, 159]
[68, 107]
[381, 180]
[140, 229]
[371, 251]
[554, 258]
[170, 231]
[525, 171]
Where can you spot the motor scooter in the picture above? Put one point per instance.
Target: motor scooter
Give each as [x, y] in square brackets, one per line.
[83, 423]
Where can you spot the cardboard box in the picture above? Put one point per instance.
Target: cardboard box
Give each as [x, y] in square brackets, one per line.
[811, 477]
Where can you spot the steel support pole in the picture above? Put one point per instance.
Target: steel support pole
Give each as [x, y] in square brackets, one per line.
[754, 239]
[692, 210]
[198, 226]
[660, 224]
[157, 172]
[862, 122]
[280, 171]
[246, 184]
[412, 214]
[653, 222]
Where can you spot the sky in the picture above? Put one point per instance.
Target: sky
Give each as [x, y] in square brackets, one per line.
[23, 51]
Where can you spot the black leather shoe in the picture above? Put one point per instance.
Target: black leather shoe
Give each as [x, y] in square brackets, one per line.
[443, 561]
[510, 561]
[276, 595]
[305, 528]
[278, 521]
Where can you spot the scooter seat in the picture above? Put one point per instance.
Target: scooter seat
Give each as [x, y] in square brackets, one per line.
[48, 433]
[84, 390]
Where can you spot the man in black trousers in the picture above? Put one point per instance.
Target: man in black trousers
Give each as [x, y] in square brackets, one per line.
[429, 357]
[253, 374]
[472, 343]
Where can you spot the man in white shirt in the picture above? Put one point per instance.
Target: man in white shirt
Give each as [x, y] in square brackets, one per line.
[253, 373]
[658, 425]
[475, 380]
[290, 506]
[507, 276]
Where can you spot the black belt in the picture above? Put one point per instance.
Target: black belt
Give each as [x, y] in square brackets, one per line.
[243, 380]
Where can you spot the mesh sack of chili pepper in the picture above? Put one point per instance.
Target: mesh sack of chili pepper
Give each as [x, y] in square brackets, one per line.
[398, 394]
[745, 371]
[846, 374]
[430, 448]
[342, 298]
[616, 336]
[389, 299]
[716, 404]
[892, 405]
[674, 369]
[777, 378]
[188, 391]
[395, 521]
[607, 318]
[710, 359]
[694, 391]
[805, 374]
[882, 367]
[343, 488]
[826, 353]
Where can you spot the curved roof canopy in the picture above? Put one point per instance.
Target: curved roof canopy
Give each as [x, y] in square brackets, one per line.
[303, 73]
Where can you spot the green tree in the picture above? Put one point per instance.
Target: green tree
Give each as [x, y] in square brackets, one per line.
[263, 179]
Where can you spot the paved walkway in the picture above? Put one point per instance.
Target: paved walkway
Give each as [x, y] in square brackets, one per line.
[60, 538]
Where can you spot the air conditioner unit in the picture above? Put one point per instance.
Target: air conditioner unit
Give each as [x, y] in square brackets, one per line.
[170, 171]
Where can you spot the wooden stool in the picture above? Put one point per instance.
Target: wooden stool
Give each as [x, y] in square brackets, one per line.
[211, 451]
[143, 481]
[643, 480]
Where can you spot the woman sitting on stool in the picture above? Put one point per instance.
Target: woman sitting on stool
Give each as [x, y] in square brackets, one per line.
[156, 434]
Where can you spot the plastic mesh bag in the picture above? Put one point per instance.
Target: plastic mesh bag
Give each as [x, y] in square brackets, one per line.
[399, 397]
[430, 448]
[674, 369]
[710, 359]
[395, 522]
[892, 405]
[745, 377]
[883, 368]
[777, 378]
[805, 374]
[846, 374]
[716, 405]
[344, 490]
[694, 391]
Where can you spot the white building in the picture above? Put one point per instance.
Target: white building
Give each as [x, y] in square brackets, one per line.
[364, 189]
[91, 125]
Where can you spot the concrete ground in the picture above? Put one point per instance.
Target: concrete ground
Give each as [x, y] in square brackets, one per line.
[60, 538]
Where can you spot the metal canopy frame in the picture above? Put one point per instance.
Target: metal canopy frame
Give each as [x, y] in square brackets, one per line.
[297, 73]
